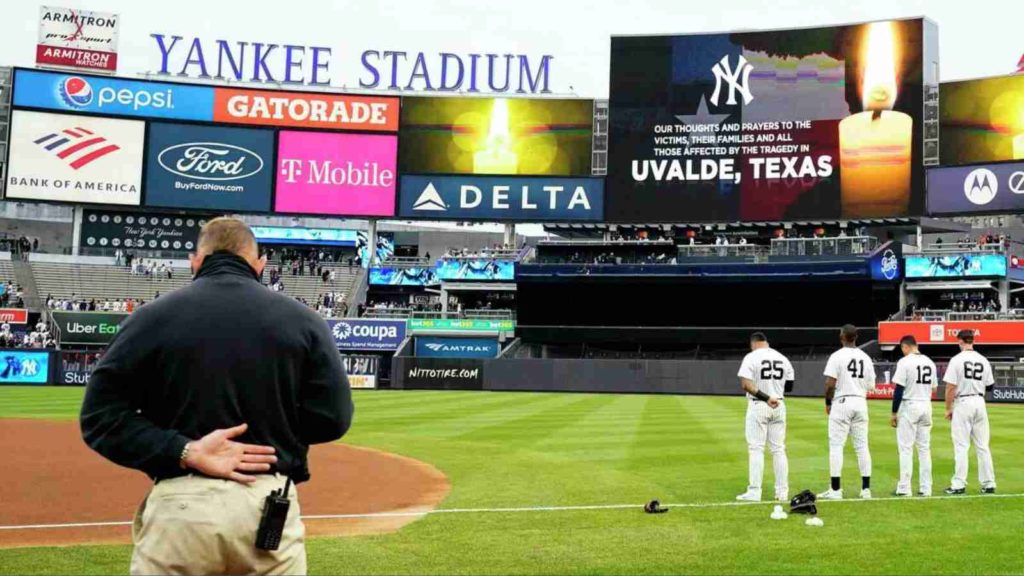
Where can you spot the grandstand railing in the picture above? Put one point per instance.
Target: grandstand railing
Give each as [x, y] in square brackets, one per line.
[485, 254]
[478, 314]
[406, 262]
[832, 246]
[711, 250]
[598, 242]
[387, 312]
[929, 315]
[962, 247]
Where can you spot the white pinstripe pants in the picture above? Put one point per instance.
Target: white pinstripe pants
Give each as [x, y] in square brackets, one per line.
[848, 418]
[766, 425]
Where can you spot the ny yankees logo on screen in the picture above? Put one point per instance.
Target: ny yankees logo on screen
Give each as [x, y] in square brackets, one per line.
[737, 78]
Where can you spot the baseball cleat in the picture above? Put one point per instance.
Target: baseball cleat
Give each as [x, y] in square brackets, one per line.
[924, 493]
[865, 494]
[749, 496]
[989, 490]
[955, 491]
[782, 497]
[831, 494]
[901, 494]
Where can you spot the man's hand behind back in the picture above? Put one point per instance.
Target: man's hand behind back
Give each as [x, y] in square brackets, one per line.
[218, 456]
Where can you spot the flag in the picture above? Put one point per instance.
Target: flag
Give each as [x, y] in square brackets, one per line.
[1020, 65]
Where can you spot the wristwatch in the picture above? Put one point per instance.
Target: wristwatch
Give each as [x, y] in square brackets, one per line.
[184, 454]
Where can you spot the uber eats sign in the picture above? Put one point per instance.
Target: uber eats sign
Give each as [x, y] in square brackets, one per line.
[87, 327]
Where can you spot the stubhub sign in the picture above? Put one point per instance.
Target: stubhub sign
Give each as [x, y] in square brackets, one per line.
[363, 334]
[496, 198]
[82, 93]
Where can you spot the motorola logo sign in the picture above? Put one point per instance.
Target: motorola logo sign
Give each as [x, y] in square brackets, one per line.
[981, 186]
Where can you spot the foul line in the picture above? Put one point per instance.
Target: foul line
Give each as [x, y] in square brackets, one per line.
[528, 509]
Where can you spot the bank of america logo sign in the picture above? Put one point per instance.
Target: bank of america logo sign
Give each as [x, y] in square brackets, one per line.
[430, 201]
[981, 186]
[77, 147]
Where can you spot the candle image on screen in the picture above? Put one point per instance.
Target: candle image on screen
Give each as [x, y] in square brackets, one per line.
[875, 145]
[497, 156]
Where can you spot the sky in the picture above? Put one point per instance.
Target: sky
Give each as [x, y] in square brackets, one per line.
[979, 38]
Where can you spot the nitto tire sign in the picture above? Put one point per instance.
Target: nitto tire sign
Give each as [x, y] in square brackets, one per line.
[359, 334]
[443, 374]
[1013, 394]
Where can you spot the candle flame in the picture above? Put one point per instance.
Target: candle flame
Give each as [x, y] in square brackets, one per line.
[878, 89]
[498, 133]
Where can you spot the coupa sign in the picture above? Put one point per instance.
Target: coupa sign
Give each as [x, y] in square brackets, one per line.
[498, 198]
[364, 334]
[87, 327]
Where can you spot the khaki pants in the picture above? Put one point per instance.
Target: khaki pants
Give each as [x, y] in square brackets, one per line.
[198, 525]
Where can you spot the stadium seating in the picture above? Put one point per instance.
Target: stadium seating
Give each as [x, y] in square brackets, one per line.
[102, 281]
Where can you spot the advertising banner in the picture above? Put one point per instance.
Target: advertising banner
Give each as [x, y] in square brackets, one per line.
[75, 367]
[981, 121]
[367, 334]
[530, 137]
[13, 316]
[454, 325]
[361, 370]
[1014, 394]
[483, 269]
[497, 198]
[306, 110]
[24, 367]
[772, 125]
[956, 266]
[985, 331]
[116, 96]
[885, 262]
[320, 236]
[87, 327]
[444, 374]
[336, 174]
[77, 39]
[75, 158]
[103, 229]
[210, 168]
[385, 247]
[383, 276]
[434, 347]
[966, 189]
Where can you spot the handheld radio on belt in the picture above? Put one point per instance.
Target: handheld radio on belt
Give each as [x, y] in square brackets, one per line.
[275, 512]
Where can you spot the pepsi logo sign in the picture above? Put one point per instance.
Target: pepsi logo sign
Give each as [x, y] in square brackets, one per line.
[76, 92]
[212, 161]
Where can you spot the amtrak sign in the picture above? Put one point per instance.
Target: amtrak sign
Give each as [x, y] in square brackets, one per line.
[502, 198]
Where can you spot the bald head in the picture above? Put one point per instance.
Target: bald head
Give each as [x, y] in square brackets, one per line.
[226, 234]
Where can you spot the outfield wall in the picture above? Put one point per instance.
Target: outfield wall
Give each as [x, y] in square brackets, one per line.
[710, 377]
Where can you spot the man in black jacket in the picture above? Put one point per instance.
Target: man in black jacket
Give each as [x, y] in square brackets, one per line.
[216, 392]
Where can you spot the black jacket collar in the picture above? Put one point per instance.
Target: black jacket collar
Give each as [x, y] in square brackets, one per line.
[220, 263]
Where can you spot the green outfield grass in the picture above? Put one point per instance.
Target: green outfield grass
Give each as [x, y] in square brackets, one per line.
[523, 450]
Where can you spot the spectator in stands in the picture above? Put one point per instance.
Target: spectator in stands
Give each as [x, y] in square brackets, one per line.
[92, 305]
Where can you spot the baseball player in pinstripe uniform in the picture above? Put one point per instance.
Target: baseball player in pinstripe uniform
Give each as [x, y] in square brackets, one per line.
[966, 378]
[849, 375]
[766, 375]
[915, 379]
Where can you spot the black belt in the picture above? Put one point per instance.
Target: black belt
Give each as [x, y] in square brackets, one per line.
[762, 401]
[968, 395]
[847, 396]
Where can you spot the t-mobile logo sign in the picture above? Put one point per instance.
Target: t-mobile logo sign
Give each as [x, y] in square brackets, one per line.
[737, 78]
[326, 172]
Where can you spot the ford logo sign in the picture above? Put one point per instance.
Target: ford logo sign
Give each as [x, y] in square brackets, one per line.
[210, 161]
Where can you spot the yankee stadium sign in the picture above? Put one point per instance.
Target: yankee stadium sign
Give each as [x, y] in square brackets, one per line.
[275, 62]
